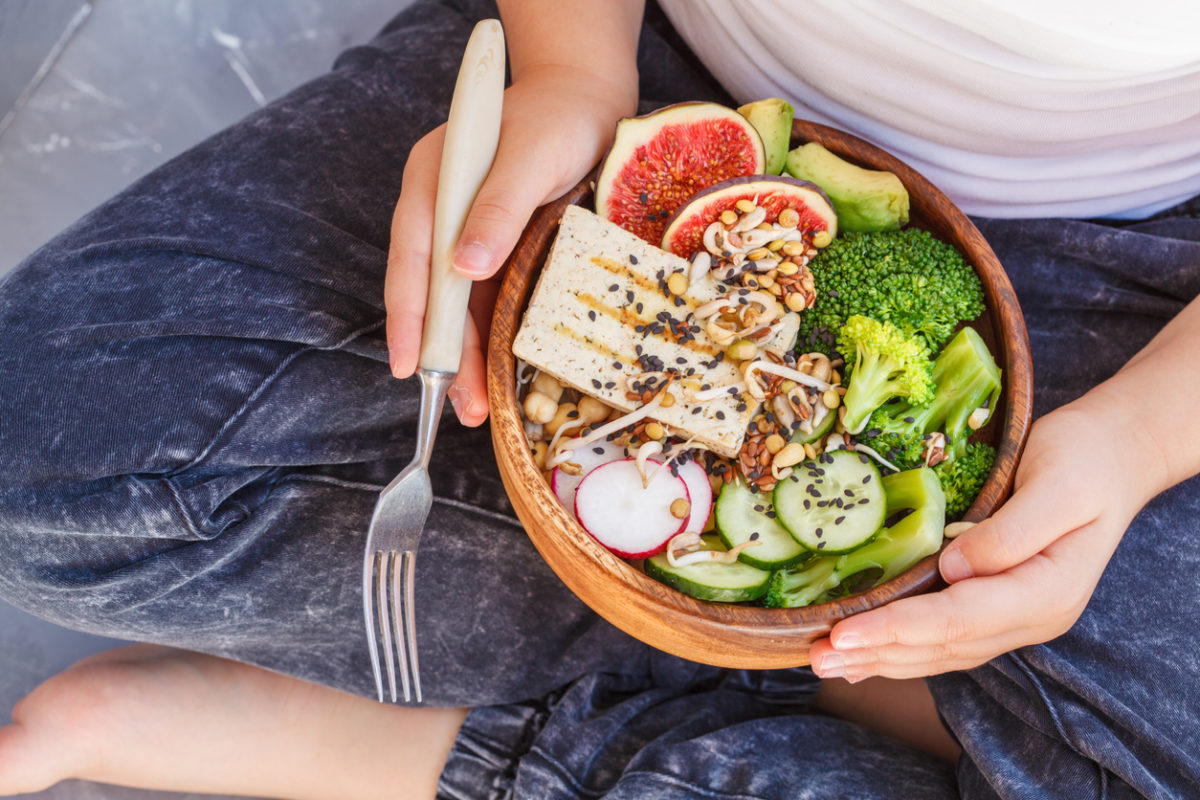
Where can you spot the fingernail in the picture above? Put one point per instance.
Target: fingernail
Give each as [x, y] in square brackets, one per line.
[473, 259]
[848, 641]
[954, 566]
[832, 666]
[460, 398]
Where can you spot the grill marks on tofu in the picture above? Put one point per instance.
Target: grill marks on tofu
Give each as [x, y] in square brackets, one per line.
[601, 315]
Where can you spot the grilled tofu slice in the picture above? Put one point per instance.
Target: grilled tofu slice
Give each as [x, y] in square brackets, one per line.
[601, 317]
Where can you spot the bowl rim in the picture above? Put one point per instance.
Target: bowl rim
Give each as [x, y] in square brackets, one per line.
[733, 635]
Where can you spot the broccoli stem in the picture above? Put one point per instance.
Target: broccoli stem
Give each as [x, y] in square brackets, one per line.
[895, 549]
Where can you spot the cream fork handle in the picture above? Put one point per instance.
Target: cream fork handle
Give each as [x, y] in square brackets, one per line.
[472, 134]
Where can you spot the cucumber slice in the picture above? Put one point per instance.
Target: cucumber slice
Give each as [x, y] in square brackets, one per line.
[833, 504]
[741, 513]
[820, 429]
[710, 580]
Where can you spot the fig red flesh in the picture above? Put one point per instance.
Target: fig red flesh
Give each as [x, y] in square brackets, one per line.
[684, 232]
[659, 161]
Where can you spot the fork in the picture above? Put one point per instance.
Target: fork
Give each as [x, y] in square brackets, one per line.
[390, 557]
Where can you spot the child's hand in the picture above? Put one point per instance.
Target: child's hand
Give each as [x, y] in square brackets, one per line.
[1021, 577]
[556, 125]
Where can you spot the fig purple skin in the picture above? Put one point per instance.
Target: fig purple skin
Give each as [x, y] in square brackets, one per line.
[684, 232]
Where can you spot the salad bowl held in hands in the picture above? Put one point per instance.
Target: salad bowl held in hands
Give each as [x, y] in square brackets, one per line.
[729, 634]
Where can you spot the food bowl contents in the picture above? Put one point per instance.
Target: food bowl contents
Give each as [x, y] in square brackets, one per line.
[757, 400]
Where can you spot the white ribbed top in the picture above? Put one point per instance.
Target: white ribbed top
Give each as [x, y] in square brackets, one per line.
[1014, 108]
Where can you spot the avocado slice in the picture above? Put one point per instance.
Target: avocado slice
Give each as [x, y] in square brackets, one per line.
[865, 199]
[772, 118]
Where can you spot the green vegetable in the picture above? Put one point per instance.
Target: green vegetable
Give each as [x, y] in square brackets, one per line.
[890, 552]
[833, 504]
[802, 585]
[917, 535]
[967, 379]
[865, 199]
[741, 517]
[884, 362]
[907, 277]
[963, 477]
[710, 580]
[772, 118]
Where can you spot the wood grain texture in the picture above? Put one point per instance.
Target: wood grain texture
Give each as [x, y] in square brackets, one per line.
[715, 633]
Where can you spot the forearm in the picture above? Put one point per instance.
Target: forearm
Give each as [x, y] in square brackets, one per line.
[593, 38]
[1151, 404]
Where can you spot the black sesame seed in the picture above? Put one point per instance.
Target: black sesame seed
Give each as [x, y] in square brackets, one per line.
[592, 316]
[596, 383]
[632, 258]
[614, 287]
[629, 295]
[598, 451]
[720, 415]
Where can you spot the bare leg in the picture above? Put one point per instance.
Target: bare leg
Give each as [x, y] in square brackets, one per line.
[159, 718]
[901, 709]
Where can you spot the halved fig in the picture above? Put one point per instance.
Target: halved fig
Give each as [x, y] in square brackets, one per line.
[684, 234]
[658, 161]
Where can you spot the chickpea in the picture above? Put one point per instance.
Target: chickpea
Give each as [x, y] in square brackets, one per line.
[567, 412]
[539, 450]
[592, 410]
[548, 385]
[539, 408]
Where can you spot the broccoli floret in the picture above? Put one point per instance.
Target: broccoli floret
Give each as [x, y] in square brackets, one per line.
[907, 277]
[883, 362]
[919, 534]
[963, 476]
[896, 438]
[966, 378]
[802, 585]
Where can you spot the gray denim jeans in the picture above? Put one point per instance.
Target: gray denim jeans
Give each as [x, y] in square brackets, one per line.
[196, 416]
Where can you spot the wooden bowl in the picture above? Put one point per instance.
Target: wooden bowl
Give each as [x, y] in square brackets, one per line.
[724, 634]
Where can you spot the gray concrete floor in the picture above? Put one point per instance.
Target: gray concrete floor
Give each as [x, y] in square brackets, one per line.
[92, 96]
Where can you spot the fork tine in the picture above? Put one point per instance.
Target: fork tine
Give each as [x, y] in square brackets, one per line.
[399, 608]
[410, 624]
[386, 576]
[370, 569]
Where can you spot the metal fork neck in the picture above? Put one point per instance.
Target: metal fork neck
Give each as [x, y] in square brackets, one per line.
[434, 385]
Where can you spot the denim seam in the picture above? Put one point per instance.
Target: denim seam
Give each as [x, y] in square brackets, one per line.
[168, 244]
[461, 506]
[692, 788]
[263, 386]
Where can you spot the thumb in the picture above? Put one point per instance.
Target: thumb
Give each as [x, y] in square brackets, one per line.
[504, 204]
[1029, 522]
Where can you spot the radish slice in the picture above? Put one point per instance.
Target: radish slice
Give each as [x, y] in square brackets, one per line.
[588, 457]
[631, 521]
[700, 493]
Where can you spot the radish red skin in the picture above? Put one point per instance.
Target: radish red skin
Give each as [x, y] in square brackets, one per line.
[699, 494]
[612, 506]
